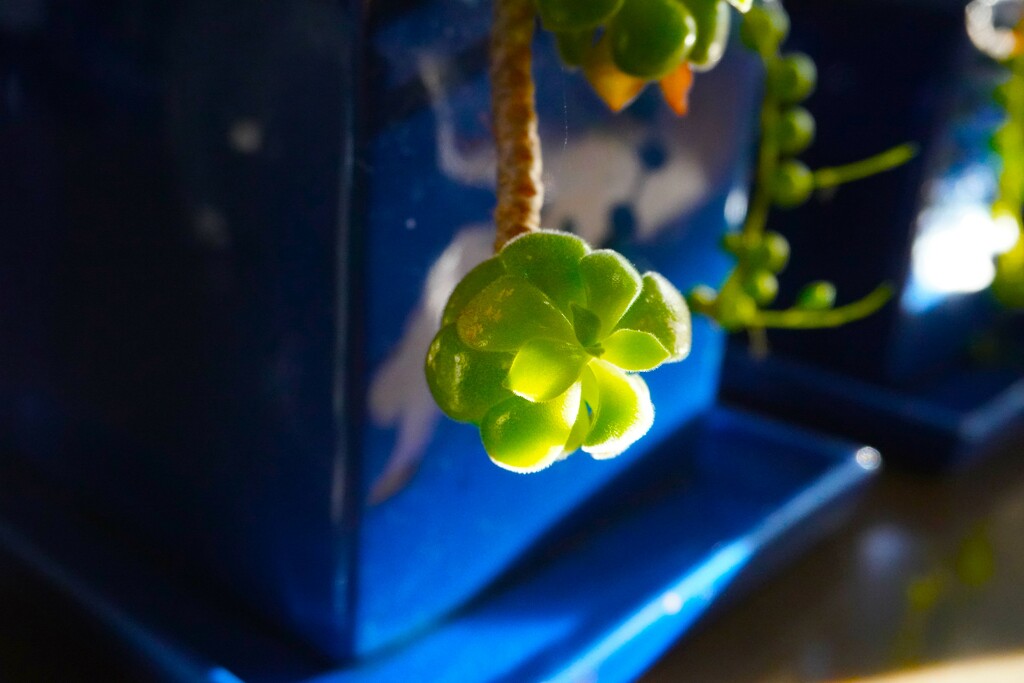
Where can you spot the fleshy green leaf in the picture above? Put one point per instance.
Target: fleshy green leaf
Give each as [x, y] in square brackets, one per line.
[550, 262]
[634, 350]
[508, 313]
[649, 38]
[472, 284]
[574, 15]
[573, 46]
[580, 429]
[587, 325]
[661, 310]
[522, 436]
[545, 368]
[611, 283]
[624, 413]
[713, 19]
[615, 88]
[465, 383]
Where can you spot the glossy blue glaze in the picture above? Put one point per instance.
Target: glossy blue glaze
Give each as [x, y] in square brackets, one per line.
[173, 326]
[891, 74]
[227, 235]
[709, 513]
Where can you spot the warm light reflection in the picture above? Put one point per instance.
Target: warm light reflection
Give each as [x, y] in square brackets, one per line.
[991, 24]
[1000, 669]
[957, 241]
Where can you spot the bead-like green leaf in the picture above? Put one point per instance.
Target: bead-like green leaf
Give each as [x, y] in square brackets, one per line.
[713, 18]
[465, 383]
[508, 313]
[661, 310]
[817, 296]
[574, 15]
[612, 285]
[550, 262]
[634, 350]
[522, 436]
[472, 284]
[546, 368]
[573, 46]
[624, 413]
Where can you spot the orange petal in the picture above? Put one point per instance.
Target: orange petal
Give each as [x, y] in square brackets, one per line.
[615, 88]
[675, 88]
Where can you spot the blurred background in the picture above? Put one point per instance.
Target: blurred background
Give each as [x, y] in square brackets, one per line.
[224, 231]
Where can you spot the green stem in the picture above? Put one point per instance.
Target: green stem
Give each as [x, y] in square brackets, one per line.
[767, 163]
[796, 318]
[887, 160]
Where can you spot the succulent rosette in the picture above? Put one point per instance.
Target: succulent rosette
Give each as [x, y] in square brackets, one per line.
[539, 346]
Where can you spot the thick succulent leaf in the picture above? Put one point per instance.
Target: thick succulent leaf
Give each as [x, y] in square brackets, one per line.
[587, 325]
[545, 368]
[523, 436]
[675, 89]
[574, 46]
[615, 88]
[661, 310]
[649, 38]
[612, 285]
[575, 15]
[624, 413]
[508, 313]
[634, 350]
[472, 284]
[580, 429]
[465, 383]
[713, 18]
[550, 262]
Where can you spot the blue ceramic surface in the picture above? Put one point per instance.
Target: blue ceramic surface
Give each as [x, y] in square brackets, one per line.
[228, 233]
[433, 499]
[173, 327]
[707, 515]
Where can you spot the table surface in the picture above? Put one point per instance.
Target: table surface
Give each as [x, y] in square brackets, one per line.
[929, 572]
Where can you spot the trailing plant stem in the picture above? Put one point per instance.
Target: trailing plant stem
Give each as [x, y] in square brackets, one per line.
[520, 189]
[865, 168]
[767, 163]
[800, 319]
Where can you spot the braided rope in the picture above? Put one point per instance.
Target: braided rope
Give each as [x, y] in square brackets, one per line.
[520, 188]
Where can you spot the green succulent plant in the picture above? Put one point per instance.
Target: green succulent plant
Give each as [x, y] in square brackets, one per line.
[743, 301]
[623, 45]
[539, 346]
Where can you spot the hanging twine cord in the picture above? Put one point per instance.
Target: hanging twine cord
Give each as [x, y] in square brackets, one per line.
[520, 189]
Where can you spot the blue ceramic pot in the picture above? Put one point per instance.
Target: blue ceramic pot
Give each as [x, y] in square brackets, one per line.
[228, 235]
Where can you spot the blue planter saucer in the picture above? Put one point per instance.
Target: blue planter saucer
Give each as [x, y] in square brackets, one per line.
[944, 423]
[711, 512]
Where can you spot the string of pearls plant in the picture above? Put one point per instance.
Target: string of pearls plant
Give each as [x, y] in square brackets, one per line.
[781, 180]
